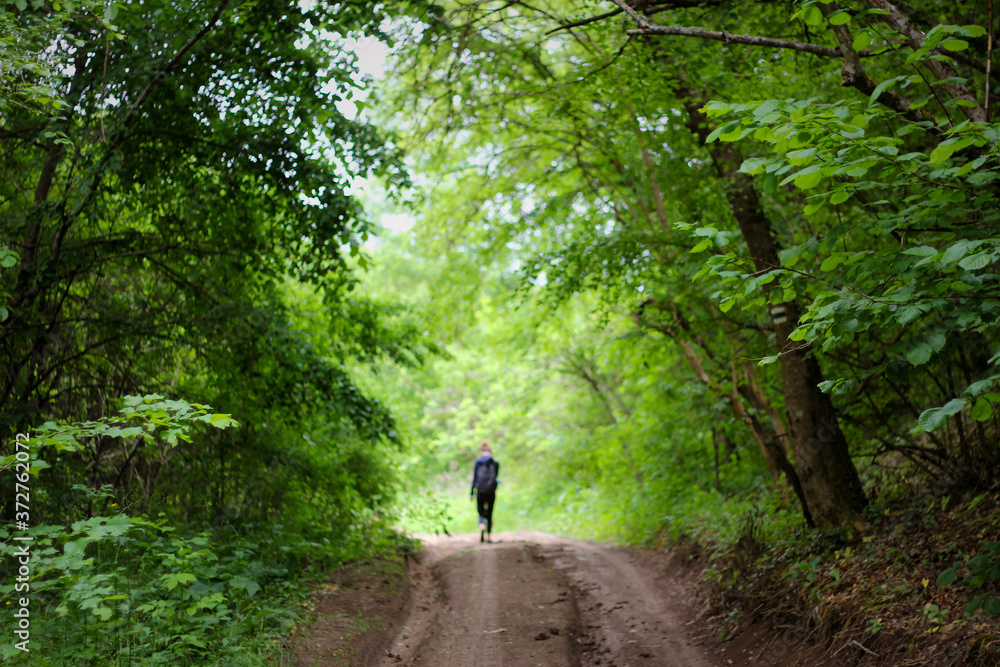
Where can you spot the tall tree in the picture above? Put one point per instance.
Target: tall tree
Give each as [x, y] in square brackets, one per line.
[585, 151]
[187, 175]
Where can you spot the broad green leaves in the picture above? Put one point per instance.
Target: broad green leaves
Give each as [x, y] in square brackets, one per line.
[939, 283]
[171, 581]
[949, 147]
[141, 416]
[983, 571]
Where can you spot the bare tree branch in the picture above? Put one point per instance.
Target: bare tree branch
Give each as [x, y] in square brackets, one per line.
[647, 28]
[583, 22]
[731, 38]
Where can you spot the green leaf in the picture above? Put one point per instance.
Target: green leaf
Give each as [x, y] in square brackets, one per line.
[715, 108]
[753, 164]
[947, 577]
[701, 245]
[991, 606]
[956, 251]
[982, 410]
[839, 197]
[975, 262]
[840, 17]
[75, 546]
[813, 207]
[931, 420]
[907, 314]
[812, 15]
[733, 135]
[972, 31]
[90, 603]
[765, 108]
[808, 177]
[880, 88]
[979, 387]
[172, 580]
[948, 147]
[724, 129]
[832, 262]
[954, 406]
[975, 603]
[861, 41]
[222, 421]
[919, 354]
[246, 583]
[954, 44]
[802, 156]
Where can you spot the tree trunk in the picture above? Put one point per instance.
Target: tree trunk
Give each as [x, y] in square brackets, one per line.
[768, 439]
[828, 476]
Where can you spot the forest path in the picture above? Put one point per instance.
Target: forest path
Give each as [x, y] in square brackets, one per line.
[534, 599]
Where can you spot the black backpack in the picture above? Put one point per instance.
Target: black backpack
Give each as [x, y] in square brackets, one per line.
[486, 476]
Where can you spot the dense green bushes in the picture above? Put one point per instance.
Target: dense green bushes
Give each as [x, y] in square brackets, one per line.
[118, 588]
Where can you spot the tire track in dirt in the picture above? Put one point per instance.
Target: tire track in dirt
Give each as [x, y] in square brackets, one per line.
[534, 599]
[627, 615]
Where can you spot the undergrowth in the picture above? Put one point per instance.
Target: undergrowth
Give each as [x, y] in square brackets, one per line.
[921, 580]
[129, 591]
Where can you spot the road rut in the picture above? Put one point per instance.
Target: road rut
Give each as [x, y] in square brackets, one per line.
[535, 599]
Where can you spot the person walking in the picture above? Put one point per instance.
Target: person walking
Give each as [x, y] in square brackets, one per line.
[484, 481]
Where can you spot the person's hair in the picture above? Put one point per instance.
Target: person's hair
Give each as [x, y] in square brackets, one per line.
[485, 448]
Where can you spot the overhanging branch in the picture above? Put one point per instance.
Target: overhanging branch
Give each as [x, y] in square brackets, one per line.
[731, 38]
[647, 28]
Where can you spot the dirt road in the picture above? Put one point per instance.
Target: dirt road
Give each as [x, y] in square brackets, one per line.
[533, 599]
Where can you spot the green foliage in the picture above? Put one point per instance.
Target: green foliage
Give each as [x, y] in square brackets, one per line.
[906, 253]
[109, 585]
[125, 590]
[983, 570]
[204, 165]
[175, 210]
[8, 259]
[574, 407]
[142, 417]
[921, 262]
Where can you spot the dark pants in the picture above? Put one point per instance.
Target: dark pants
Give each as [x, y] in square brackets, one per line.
[484, 503]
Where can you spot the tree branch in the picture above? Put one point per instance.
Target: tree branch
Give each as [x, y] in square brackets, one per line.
[731, 38]
[583, 22]
[855, 76]
[895, 19]
[176, 58]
